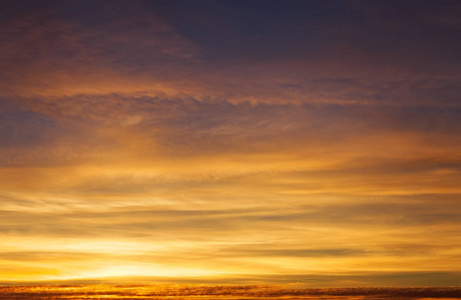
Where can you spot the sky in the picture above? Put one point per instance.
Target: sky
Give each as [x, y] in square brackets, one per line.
[280, 142]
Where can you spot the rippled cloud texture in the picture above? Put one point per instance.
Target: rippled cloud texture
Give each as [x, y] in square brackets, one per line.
[231, 141]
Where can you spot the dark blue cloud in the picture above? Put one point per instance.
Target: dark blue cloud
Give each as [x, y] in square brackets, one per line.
[380, 32]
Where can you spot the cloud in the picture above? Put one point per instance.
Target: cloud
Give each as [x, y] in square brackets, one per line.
[236, 138]
[65, 49]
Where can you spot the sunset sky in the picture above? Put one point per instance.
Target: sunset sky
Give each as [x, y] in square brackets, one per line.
[315, 142]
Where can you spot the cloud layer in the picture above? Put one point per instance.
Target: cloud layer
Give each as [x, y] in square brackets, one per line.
[300, 140]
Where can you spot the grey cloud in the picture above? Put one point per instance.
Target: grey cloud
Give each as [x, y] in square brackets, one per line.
[63, 34]
[261, 251]
[20, 127]
[187, 123]
[189, 126]
[151, 41]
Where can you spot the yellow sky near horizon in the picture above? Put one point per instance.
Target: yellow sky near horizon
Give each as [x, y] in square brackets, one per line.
[316, 207]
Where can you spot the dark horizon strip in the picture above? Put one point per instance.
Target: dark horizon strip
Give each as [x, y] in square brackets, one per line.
[230, 291]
